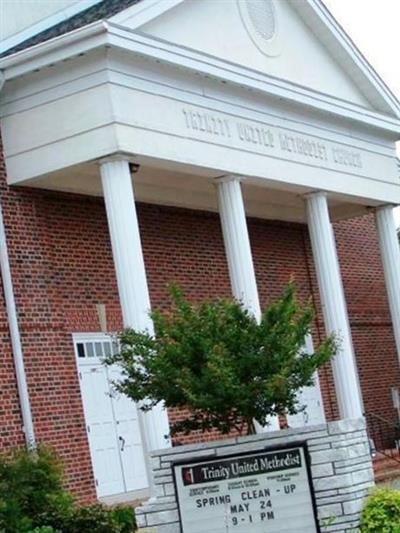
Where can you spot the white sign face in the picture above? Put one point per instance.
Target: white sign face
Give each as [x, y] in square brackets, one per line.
[263, 492]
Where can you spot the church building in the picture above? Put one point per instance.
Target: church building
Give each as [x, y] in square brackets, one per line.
[225, 145]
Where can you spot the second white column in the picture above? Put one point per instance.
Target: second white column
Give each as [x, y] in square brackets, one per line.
[390, 252]
[238, 253]
[334, 305]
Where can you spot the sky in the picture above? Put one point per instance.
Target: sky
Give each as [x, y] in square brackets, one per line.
[374, 26]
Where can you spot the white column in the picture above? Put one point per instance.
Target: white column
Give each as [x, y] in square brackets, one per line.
[334, 305]
[237, 243]
[390, 252]
[130, 270]
[238, 254]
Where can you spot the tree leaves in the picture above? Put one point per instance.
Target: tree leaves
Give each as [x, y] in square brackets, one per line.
[217, 361]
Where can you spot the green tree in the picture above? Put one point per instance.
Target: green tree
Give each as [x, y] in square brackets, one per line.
[215, 360]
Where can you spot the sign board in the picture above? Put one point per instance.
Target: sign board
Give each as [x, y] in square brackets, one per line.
[267, 491]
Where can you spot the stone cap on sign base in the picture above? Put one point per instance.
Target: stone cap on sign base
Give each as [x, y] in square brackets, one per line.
[341, 473]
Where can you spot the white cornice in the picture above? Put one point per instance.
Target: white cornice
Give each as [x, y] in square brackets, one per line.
[102, 34]
[199, 62]
[48, 22]
[63, 47]
[143, 12]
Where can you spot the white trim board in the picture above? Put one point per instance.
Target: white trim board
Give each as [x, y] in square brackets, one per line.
[101, 34]
[328, 30]
[321, 22]
[45, 24]
[143, 12]
[201, 63]
[313, 12]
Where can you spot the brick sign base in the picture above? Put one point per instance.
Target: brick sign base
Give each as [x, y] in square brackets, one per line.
[341, 470]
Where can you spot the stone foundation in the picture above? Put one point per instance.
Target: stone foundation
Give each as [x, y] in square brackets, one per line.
[341, 470]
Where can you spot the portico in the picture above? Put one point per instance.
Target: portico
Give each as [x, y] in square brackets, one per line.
[119, 198]
[213, 134]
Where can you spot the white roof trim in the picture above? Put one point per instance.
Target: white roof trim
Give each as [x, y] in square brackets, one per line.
[45, 24]
[54, 50]
[103, 33]
[143, 12]
[313, 12]
[316, 15]
[200, 62]
[328, 30]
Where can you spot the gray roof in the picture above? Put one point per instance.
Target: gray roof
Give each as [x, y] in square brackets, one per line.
[102, 10]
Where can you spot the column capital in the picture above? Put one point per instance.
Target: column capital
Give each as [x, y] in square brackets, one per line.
[385, 207]
[315, 194]
[117, 156]
[229, 179]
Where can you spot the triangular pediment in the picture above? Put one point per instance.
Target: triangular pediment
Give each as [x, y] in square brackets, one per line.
[273, 37]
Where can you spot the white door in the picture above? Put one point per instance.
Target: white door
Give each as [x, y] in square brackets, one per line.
[127, 425]
[100, 426]
[311, 398]
[111, 419]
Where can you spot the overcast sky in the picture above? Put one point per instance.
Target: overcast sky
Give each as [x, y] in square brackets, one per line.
[374, 26]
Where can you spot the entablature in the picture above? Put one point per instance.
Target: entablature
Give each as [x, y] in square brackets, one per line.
[105, 89]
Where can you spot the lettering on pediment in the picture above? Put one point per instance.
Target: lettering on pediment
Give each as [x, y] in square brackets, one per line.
[271, 139]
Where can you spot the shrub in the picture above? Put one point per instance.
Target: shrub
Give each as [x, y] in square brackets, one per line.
[382, 512]
[216, 360]
[30, 484]
[44, 529]
[92, 518]
[125, 518]
[33, 500]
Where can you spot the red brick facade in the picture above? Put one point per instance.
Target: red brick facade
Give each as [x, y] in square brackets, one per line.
[62, 267]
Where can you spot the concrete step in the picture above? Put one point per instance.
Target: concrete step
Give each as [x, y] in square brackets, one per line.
[387, 476]
[386, 468]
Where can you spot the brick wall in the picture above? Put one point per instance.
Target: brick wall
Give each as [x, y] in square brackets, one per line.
[42, 302]
[10, 416]
[369, 313]
[62, 267]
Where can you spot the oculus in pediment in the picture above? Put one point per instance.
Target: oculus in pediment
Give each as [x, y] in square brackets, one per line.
[261, 22]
